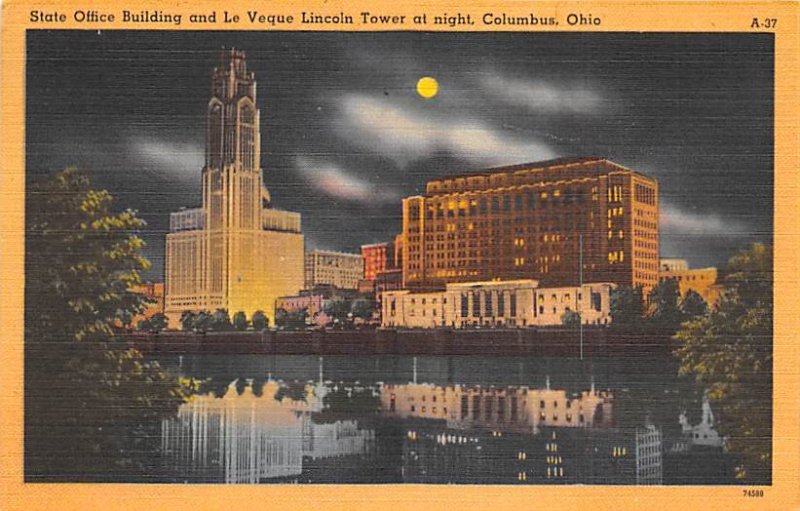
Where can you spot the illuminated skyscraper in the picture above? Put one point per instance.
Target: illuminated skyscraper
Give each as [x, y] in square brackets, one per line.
[560, 222]
[235, 252]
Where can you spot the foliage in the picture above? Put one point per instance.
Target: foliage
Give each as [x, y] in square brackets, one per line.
[291, 320]
[729, 351]
[260, 321]
[144, 325]
[571, 319]
[92, 404]
[664, 300]
[187, 321]
[202, 322]
[344, 402]
[159, 322]
[362, 308]
[337, 308]
[626, 306]
[295, 390]
[220, 321]
[240, 321]
[693, 305]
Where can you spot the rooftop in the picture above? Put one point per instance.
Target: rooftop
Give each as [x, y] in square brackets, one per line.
[556, 162]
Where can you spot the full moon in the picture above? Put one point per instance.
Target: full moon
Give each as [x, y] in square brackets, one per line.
[427, 87]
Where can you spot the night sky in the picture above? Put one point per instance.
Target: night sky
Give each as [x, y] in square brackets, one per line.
[345, 135]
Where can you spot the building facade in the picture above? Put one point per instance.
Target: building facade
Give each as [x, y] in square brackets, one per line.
[516, 303]
[702, 281]
[337, 269]
[378, 257]
[235, 252]
[561, 222]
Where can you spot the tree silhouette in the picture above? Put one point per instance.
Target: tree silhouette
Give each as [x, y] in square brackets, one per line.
[626, 306]
[240, 321]
[665, 312]
[571, 319]
[260, 321]
[693, 305]
[92, 405]
[220, 321]
[187, 321]
[158, 322]
[729, 351]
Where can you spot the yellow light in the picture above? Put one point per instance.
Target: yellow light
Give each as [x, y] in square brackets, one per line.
[427, 87]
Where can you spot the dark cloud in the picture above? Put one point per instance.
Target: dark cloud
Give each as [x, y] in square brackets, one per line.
[345, 136]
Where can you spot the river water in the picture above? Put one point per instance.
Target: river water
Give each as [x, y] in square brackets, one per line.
[436, 420]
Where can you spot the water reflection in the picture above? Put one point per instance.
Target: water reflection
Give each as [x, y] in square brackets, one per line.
[249, 437]
[374, 420]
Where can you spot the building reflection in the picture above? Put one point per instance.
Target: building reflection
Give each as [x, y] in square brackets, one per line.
[413, 433]
[244, 437]
[518, 435]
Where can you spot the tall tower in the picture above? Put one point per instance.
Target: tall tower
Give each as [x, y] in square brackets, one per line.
[232, 174]
[236, 252]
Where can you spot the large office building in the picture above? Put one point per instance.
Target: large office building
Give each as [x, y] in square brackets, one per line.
[338, 269]
[538, 221]
[236, 251]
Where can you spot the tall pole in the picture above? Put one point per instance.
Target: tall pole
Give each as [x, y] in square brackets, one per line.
[580, 287]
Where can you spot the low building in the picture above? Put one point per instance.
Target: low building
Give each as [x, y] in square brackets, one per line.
[312, 303]
[497, 303]
[333, 268]
[702, 281]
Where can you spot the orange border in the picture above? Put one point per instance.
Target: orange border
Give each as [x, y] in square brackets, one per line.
[648, 15]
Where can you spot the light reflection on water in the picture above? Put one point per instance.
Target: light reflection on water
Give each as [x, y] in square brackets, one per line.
[267, 419]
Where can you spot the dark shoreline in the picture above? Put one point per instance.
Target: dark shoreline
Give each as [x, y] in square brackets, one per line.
[598, 341]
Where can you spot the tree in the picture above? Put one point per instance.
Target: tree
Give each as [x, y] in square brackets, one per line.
[337, 308]
[693, 305]
[291, 320]
[158, 322]
[571, 319]
[362, 308]
[729, 352]
[187, 321]
[240, 321]
[260, 321]
[626, 306]
[93, 406]
[665, 312]
[220, 321]
[202, 322]
[144, 325]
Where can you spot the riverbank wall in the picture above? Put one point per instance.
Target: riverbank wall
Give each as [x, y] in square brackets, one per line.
[595, 342]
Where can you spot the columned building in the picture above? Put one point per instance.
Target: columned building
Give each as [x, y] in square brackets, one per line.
[561, 222]
[236, 251]
[511, 303]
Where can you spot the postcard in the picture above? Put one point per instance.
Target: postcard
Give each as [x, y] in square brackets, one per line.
[411, 255]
